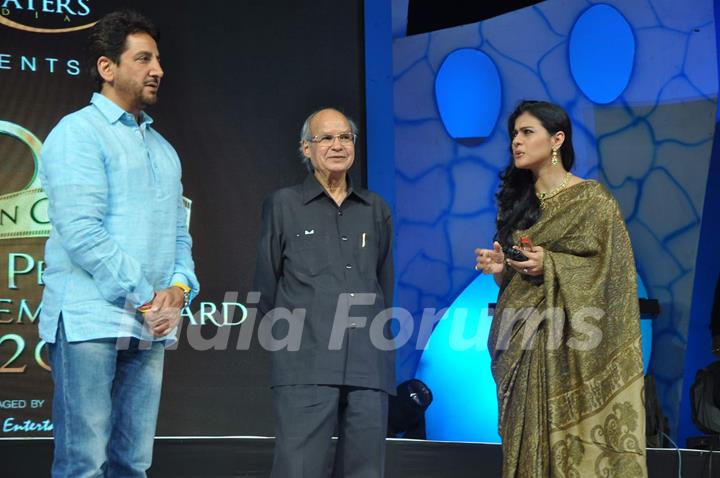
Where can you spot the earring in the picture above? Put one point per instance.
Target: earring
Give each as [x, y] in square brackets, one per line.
[554, 160]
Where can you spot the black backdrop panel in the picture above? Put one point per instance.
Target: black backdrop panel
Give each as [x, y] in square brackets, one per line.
[240, 77]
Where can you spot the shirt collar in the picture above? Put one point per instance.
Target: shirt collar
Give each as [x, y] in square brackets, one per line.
[312, 189]
[113, 112]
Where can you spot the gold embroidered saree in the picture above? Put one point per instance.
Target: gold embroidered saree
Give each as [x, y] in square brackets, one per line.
[565, 347]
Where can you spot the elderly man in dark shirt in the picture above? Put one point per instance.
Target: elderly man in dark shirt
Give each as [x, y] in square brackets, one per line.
[325, 274]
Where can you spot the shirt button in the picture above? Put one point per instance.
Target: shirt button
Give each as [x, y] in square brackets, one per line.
[352, 294]
[339, 212]
[353, 324]
[344, 238]
[348, 266]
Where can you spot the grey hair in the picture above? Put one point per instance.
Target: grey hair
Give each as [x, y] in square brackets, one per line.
[306, 134]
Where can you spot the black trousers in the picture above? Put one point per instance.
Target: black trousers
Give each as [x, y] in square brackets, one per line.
[306, 417]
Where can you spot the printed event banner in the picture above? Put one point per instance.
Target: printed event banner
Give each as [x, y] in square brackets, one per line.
[42, 76]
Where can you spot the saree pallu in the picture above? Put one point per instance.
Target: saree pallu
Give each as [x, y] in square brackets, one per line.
[566, 351]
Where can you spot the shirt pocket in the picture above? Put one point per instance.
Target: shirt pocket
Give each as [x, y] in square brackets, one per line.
[308, 254]
[366, 254]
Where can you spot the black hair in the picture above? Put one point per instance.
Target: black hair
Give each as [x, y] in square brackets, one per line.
[518, 206]
[108, 38]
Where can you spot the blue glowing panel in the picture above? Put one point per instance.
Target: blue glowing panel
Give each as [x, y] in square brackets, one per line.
[646, 329]
[602, 53]
[468, 93]
[456, 367]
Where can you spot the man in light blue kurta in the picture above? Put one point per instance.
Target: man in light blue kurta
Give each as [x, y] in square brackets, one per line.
[119, 264]
[119, 225]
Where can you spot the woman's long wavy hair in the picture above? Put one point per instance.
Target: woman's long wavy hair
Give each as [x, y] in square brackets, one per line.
[518, 206]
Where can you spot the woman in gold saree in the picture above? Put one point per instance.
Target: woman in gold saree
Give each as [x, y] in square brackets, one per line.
[565, 338]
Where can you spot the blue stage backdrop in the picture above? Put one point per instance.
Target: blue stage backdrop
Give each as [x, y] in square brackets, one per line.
[639, 79]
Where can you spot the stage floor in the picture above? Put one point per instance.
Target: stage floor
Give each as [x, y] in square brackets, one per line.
[221, 457]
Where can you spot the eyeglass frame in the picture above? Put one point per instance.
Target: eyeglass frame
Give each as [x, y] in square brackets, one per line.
[316, 138]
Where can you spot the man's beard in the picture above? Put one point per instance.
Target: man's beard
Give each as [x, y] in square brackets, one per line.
[147, 99]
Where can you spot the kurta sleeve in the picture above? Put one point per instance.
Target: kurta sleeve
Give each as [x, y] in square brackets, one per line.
[184, 271]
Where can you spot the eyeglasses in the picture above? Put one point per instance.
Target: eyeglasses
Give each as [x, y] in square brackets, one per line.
[328, 139]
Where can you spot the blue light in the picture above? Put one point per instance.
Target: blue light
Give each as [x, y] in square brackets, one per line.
[464, 404]
[645, 329]
[456, 367]
[602, 53]
[468, 93]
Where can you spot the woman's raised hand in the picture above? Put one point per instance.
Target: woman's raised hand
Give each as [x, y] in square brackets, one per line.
[490, 261]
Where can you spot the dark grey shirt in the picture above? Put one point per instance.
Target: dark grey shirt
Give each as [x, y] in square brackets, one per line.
[312, 255]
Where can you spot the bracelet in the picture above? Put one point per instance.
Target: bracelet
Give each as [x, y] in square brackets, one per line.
[182, 286]
[186, 292]
[147, 305]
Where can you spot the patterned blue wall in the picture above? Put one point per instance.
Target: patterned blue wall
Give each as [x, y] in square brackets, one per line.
[651, 146]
